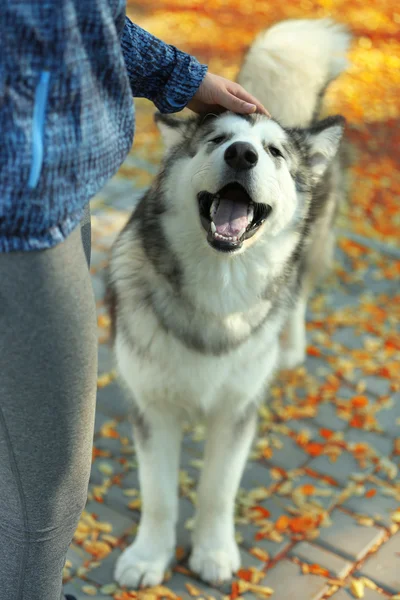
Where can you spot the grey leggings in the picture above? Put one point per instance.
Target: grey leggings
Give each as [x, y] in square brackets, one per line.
[48, 370]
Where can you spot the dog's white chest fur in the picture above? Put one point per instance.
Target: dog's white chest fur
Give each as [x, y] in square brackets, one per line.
[196, 359]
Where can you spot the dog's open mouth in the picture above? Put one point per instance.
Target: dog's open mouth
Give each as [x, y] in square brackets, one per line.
[230, 216]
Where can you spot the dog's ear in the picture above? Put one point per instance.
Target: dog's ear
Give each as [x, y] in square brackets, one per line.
[171, 129]
[323, 140]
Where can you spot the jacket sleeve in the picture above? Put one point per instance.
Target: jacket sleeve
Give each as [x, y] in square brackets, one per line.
[158, 71]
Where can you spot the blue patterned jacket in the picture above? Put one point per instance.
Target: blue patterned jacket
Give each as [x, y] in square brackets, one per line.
[68, 71]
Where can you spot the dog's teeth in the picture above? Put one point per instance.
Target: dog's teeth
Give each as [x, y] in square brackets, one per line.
[213, 228]
[250, 212]
[241, 232]
[214, 207]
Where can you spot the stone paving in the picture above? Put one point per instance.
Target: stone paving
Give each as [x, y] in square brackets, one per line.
[318, 513]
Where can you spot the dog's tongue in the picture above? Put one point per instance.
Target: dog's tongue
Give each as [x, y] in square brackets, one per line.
[231, 216]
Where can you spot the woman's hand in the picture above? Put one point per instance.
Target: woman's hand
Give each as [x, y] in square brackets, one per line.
[216, 94]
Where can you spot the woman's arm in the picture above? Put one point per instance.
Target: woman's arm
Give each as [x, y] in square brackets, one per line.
[159, 71]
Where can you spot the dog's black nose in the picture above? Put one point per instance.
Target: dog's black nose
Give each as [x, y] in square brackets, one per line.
[241, 156]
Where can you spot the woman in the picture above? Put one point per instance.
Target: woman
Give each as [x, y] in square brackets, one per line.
[67, 123]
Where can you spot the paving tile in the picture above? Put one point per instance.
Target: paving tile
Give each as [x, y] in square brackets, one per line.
[113, 401]
[100, 420]
[256, 474]
[276, 506]
[381, 443]
[103, 469]
[97, 256]
[77, 556]
[377, 385]
[347, 595]
[346, 337]
[318, 366]
[120, 523]
[289, 456]
[383, 567]
[104, 573]
[379, 507]
[118, 501]
[77, 587]
[105, 359]
[341, 470]
[311, 554]
[347, 538]
[247, 561]
[125, 429]
[248, 532]
[178, 583]
[99, 286]
[306, 425]
[287, 581]
[325, 495]
[327, 417]
[131, 480]
[186, 513]
[195, 446]
[388, 418]
[111, 445]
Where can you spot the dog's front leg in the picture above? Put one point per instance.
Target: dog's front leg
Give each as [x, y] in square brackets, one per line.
[157, 441]
[215, 554]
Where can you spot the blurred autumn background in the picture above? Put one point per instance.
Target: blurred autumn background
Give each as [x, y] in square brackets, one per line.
[218, 33]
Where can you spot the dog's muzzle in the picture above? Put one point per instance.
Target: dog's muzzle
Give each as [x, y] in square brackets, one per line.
[230, 216]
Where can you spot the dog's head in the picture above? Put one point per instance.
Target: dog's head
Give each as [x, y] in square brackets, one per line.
[246, 177]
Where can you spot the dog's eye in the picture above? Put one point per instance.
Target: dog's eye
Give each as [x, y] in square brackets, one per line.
[218, 140]
[275, 151]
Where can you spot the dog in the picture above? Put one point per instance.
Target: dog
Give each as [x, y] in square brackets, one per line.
[216, 261]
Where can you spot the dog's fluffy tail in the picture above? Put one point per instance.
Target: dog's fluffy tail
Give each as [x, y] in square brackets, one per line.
[290, 65]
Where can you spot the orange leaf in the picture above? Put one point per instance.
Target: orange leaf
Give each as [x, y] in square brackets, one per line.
[359, 402]
[262, 513]
[267, 452]
[97, 549]
[384, 372]
[282, 523]
[361, 448]
[318, 570]
[314, 448]
[260, 554]
[307, 489]
[234, 590]
[370, 493]
[326, 433]
[313, 351]
[357, 421]
[302, 524]
[244, 574]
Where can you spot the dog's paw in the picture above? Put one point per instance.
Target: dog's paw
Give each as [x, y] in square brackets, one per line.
[215, 565]
[139, 568]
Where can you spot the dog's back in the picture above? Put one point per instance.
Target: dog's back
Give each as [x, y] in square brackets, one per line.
[289, 68]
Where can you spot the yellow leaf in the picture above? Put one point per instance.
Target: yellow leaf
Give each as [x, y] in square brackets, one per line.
[135, 504]
[396, 516]
[192, 589]
[357, 588]
[90, 590]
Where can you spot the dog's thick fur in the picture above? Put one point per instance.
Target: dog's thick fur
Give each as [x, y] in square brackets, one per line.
[197, 330]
